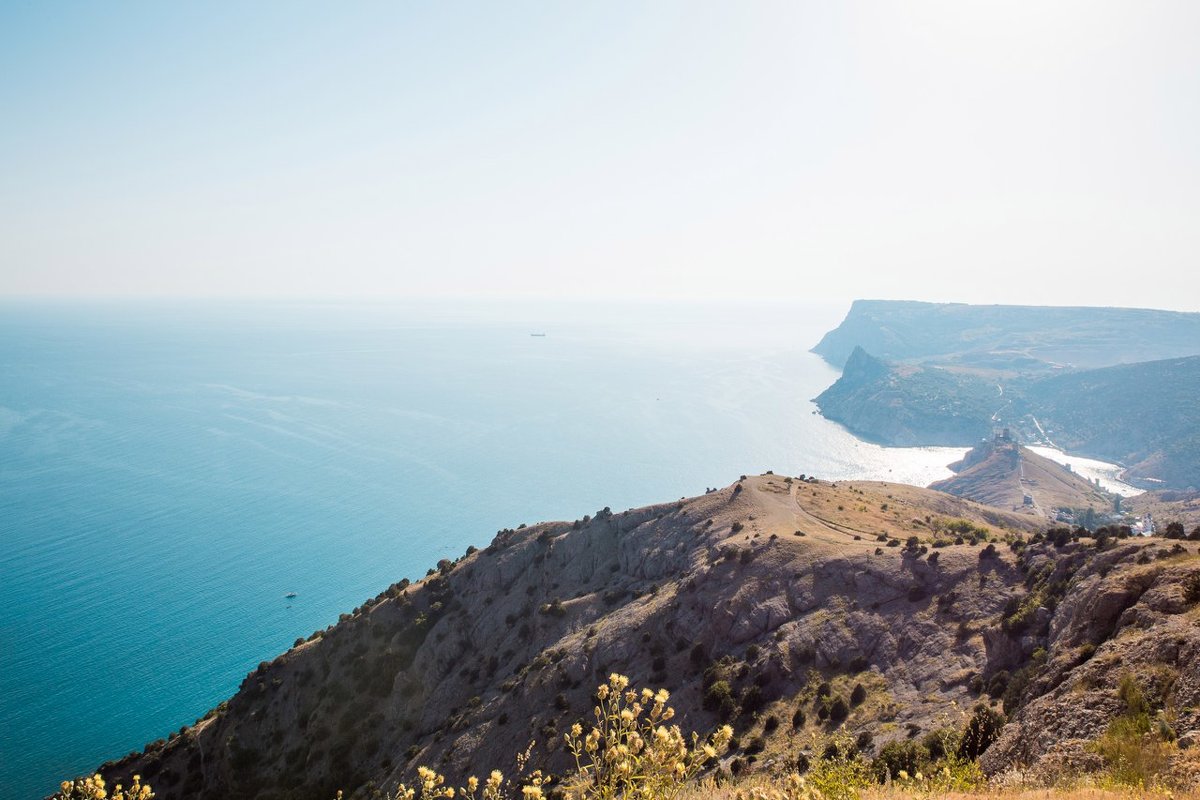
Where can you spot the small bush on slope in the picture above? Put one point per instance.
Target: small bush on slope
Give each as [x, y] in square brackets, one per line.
[983, 728]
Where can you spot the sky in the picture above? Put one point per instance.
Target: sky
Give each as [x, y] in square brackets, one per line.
[1022, 152]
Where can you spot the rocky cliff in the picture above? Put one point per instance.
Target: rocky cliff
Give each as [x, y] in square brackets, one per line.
[790, 607]
[907, 405]
[1127, 614]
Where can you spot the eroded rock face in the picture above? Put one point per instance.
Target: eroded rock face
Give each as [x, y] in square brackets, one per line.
[464, 668]
[1136, 618]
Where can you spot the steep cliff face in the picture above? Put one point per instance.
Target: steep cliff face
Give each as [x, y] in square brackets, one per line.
[878, 326]
[1127, 615]
[790, 592]
[906, 405]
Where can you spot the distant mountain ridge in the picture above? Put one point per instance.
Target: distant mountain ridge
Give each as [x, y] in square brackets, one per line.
[1025, 338]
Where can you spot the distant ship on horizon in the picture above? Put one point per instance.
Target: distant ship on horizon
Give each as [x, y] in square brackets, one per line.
[537, 334]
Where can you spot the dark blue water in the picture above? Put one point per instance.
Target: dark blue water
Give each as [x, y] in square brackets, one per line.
[168, 473]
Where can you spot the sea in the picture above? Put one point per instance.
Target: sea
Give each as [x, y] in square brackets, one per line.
[172, 473]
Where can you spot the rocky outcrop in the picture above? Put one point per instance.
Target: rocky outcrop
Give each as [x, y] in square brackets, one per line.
[1119, 618]
[1001, 473]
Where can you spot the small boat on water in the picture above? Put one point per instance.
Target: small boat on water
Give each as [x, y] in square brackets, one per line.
[541, 335]
[290, 595]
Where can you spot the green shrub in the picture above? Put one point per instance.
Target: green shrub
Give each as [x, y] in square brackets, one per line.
[1131, 696]
[998, 684]
[1015, 691]
[839, 710]
[942, 743]
[752, 699]
[842, 776]
[718, 698]
[554, 608]
[894, 757]
[1132, 756]
[982, 729]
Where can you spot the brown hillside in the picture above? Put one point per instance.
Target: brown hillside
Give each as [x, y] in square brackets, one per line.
[783, 589]
[1001, 473]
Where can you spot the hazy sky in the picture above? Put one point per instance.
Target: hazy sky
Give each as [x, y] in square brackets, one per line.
[1015, 151]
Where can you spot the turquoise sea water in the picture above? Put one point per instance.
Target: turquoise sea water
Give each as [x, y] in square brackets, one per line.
[168, 473]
